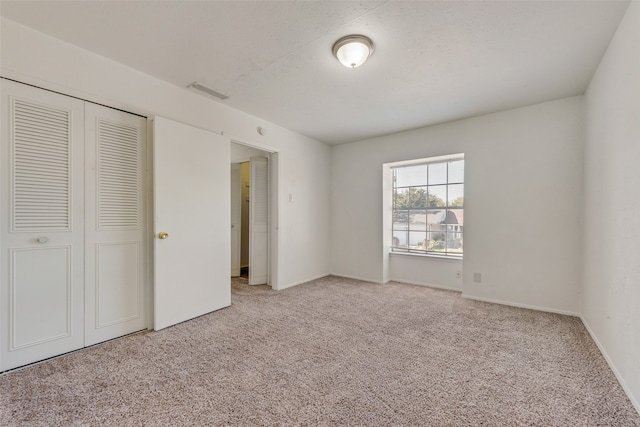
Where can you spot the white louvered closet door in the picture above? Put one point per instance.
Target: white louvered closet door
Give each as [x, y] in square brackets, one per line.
[259, 222]
[114, 237]
[72, 238]
[236, 218]
[42, 225]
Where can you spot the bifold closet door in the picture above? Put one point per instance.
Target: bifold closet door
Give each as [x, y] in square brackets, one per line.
[236, 218]
[42, 225]
[114, 234]
[72, 224]
[259, 222]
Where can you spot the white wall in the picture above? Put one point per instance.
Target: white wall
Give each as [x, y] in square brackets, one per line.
[523, 197]
[35, 58]
[611, 267]
[434, 272]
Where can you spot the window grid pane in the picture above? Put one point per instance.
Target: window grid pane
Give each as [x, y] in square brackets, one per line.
[440, 187]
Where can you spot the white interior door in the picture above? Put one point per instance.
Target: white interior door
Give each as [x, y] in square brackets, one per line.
[115, 243]
[192, 206]
[236, 218]
[42, 225]
[259, 222]
[273, 221]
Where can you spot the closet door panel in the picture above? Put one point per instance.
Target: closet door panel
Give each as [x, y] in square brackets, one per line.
[259, 222]
[115, 243]
[236, 218]
[118, 296]
[42, 225]
[41, 299]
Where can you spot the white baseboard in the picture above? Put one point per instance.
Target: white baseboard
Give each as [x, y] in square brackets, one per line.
[409, 282]
[362, 279]
[428, 285]
[619, 377]
[515, 304]
[303, 281]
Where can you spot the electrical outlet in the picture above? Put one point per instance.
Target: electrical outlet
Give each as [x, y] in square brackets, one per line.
[458, 274]
[477, 277]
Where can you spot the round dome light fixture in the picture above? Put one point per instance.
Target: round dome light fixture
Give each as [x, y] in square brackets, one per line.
[352, 51]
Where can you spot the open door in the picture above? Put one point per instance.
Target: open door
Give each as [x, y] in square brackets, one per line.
[192, 216]
[236, 218]
[259, 222]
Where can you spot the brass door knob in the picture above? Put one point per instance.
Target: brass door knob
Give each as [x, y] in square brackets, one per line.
[163, 235]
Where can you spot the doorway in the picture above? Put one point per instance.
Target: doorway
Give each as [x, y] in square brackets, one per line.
[253, 214]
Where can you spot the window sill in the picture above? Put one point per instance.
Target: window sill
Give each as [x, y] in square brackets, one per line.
[429, 256]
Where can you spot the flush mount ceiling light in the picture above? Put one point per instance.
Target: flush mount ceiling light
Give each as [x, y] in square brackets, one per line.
[353, 50]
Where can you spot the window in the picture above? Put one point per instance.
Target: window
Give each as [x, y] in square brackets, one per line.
[428, 207]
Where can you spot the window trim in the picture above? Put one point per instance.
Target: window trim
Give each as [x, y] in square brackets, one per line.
[424, 160]
[389, 167]
[430, 255]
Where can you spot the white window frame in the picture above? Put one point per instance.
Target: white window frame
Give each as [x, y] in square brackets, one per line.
[456, 231]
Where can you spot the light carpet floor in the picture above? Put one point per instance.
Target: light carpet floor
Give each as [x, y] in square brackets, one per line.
[332, 352]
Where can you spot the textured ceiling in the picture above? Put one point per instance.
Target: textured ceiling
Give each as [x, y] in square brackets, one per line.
[433, 61]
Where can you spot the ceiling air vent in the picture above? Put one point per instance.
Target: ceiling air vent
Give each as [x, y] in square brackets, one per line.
[207, 90]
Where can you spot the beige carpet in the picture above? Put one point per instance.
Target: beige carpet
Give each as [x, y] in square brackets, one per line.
[332, 352]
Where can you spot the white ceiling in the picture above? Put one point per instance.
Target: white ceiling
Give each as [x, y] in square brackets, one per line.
[433, 61]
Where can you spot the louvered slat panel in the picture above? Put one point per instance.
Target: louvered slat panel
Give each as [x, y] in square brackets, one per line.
[260, 199]
[41, 167]
[118, 176]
